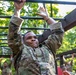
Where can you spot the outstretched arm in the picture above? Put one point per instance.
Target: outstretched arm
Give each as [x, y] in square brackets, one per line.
[54, 40]
[14, 36]
[71, 62]
[43, 13]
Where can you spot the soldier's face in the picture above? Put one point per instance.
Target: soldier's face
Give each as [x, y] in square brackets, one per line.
[30, 39]
[5, 64]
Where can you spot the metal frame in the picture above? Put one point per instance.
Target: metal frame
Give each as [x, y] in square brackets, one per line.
[60, 56]
[68, 22]
[47, 1]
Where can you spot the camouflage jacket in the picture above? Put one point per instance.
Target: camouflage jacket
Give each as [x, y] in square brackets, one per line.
[34, 61]
[6, 71]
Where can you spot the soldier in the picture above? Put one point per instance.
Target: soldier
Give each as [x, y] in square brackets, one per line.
[69, 65]
[6, 68]
[30, 57]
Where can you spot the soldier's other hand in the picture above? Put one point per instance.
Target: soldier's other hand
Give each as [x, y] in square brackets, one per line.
[42, 12]
[19, 4]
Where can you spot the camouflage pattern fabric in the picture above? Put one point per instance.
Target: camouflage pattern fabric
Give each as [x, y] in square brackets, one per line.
[6, 71]
[34, 61]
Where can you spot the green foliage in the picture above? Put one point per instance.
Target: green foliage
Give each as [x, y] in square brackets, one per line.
[69, 41]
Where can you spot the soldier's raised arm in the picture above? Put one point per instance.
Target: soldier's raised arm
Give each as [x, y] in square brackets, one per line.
[56, 31]
[56, 34]
[14, 36]
[44, 14]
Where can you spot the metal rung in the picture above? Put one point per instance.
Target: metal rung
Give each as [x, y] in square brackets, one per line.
[68, 52]
[47, 1]
[27, 28]
[28, 17]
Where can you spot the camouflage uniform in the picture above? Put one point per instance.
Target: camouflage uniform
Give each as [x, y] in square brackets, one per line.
[34, 61]
[6, 71]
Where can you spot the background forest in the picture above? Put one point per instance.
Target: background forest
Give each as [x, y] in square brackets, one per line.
[30, 11]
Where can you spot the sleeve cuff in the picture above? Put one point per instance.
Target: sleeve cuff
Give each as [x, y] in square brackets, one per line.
[16, 20]
[56, 26]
